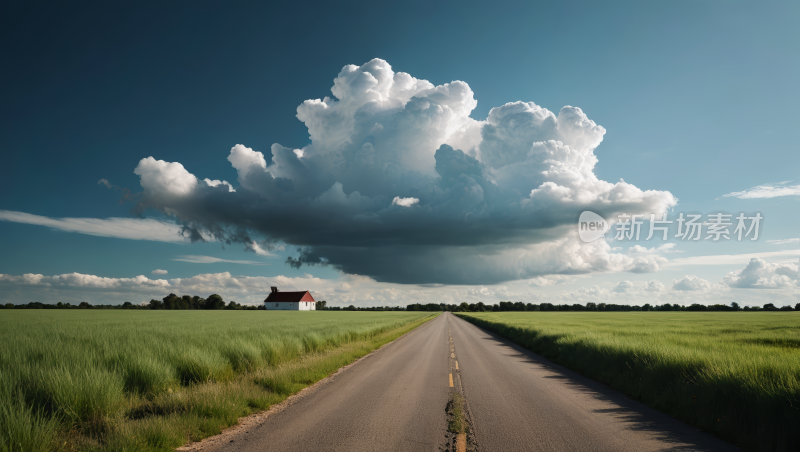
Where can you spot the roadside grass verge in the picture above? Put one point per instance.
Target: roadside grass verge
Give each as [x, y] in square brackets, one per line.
[736, 375]
[144, 381]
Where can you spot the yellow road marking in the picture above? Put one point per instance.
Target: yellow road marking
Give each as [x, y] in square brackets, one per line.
[456, 365]
[451, 380]
[461, 442]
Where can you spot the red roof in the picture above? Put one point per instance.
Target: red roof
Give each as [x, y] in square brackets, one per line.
[289, 297]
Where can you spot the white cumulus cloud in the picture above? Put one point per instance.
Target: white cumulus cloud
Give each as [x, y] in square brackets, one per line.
[404, 202]
[159, 272]
[690, 282]
[759, 274]
[494, 199]
[164, 178]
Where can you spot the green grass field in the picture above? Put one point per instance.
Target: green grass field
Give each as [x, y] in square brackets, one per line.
[151, 380]
[734, 374]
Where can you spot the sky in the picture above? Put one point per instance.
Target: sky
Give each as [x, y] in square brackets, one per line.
[392, 153]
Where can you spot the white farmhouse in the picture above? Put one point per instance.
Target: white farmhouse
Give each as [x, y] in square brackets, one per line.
[290, 301]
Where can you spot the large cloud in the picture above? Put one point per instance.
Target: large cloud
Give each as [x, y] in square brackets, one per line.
[400, 184]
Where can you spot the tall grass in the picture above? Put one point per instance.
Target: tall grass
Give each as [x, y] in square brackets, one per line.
[150, 380]
[734, 374]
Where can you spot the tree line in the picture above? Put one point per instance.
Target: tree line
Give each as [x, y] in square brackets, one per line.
[215, 302]
[186, 302]
[520, 306]
[170, 302]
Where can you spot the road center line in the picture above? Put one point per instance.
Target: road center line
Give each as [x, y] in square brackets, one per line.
[451, 380]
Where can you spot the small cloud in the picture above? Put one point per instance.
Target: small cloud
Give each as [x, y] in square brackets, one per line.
[214, 183]
[690, 282]
[766, 191]
[549, 280]
[121, 228]
[783, 241]
[404, 202]
[213, 260]
[159, 272]
[665, 248]
[258, 249]
[636, 286]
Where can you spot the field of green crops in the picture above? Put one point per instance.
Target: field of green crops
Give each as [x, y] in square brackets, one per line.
[734, 374]
[151, 380]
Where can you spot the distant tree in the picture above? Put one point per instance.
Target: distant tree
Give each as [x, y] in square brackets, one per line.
[156, 304]
[735, 306]
[127, 305]
[797, 307]
[173, 301]
[214, 301]
[186, 301]
[351, 308]
[770, 307]
[464, 307]
[696, 307]
[786, 308]
[84, 305]
[322, 305]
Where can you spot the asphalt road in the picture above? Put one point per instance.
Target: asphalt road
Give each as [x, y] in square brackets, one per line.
[517, 401]
[392, 401]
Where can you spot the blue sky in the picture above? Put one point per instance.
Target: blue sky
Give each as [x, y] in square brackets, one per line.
[698, 99]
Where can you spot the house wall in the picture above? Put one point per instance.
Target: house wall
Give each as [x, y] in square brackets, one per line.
[285, 306]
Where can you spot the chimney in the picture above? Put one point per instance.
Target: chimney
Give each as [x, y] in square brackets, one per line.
[274, 289]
